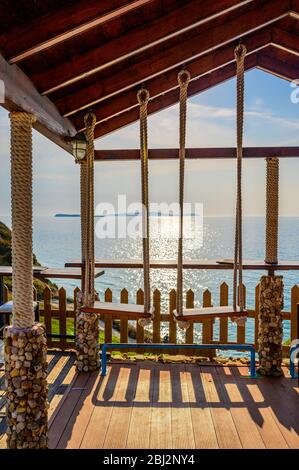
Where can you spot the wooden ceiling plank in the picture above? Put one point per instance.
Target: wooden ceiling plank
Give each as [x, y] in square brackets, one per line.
[169, 99]
[197, 153]
[277, 67]
[168, 81]
[286, 41]
[63, 24]
[20, 94]
[173, 57]
[139, 39]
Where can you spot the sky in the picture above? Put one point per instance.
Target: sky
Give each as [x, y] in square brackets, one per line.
[271, 118]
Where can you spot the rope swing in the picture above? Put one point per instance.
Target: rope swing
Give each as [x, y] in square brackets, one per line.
[184, 315]
[143, 313]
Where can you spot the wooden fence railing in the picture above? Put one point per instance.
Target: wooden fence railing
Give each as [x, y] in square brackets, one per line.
[59, 319]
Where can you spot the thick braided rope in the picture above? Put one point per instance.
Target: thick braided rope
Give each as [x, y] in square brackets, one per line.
[89, 291]
[143, 98]
[21, 205]
[183, 80]
[240, 53]
[272, 205]
[83, 200]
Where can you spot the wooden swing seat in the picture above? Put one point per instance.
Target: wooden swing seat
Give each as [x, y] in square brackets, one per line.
[131, 311]
[207, 313]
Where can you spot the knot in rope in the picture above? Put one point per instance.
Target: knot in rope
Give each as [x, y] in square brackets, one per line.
[143, 96]
[184, 78]
[90, 120]
[240, 52]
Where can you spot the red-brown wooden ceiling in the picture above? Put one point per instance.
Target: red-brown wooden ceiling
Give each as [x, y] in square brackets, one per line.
[131, 43]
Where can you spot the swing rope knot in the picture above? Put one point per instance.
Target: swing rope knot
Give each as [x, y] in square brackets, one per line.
[240, 52]
[143, 97]
[90, 120]
[184, 78]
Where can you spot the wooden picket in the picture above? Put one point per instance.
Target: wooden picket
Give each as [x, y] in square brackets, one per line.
[56, 317]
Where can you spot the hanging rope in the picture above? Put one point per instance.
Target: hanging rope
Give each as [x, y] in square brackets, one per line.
[272, 203]
[88, 238]
[143, 98]
[240, 53]
[21, 206]
[83, 199]
[183, 80]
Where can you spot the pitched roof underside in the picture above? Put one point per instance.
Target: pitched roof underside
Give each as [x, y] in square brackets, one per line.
[90, 54]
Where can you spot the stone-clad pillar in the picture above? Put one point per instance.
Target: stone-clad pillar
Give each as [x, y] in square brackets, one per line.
[270, 325]
[25, 349]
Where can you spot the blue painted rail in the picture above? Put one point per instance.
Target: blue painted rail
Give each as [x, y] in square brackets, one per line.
[294, 351]
[232, 347]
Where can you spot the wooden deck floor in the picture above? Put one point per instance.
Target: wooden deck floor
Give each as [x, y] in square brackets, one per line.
[143, 405]
[60, 375]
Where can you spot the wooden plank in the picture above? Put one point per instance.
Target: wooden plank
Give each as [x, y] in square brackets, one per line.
[231, 29]
[117, 432]
[172, 322]
[182, 430]
[283, 401]
[108, 318]
[294, 303]
[241, 328]
[63, 24]
[62, 316]
[124, 298]
[20, 93]
[61, 419]
[57, 398]
[202, 422]
[161, 425]
[256, 265]
[139, 328]
[223, 322]
[207, 326]
[76, 425]
[248, 433]
[135, 41]
[140, 424]
[48, 313]
[157, 317]
[103, 403]
[226, 432]
[189, 304]
[260, 409]
[197, 153]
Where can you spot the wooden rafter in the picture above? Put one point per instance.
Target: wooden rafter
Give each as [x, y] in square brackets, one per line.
[169, 99]
[20, 94]
[61, 25]
[197, 153]
[187, 17]
[168, 81]
[167, 59]
[260, 59]
[285, 40]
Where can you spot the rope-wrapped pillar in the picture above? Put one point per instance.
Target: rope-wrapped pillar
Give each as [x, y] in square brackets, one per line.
[87, 324]
[271, 287]
[25, 341]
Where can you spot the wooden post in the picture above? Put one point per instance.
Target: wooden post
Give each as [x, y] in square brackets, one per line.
[25, 341]
[271, 286]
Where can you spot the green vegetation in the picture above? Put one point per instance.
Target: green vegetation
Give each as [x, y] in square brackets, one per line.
[5, 260]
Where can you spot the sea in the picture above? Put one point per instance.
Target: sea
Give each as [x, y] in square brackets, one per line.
[57, 240]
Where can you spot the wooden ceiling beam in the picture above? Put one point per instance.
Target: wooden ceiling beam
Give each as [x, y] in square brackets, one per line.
[169, 99]
[167, 59]
[63, 24]
[197, 153]
[277, 67]
[21, 95]
[168, 81]
[285, 40]
[178, 21]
